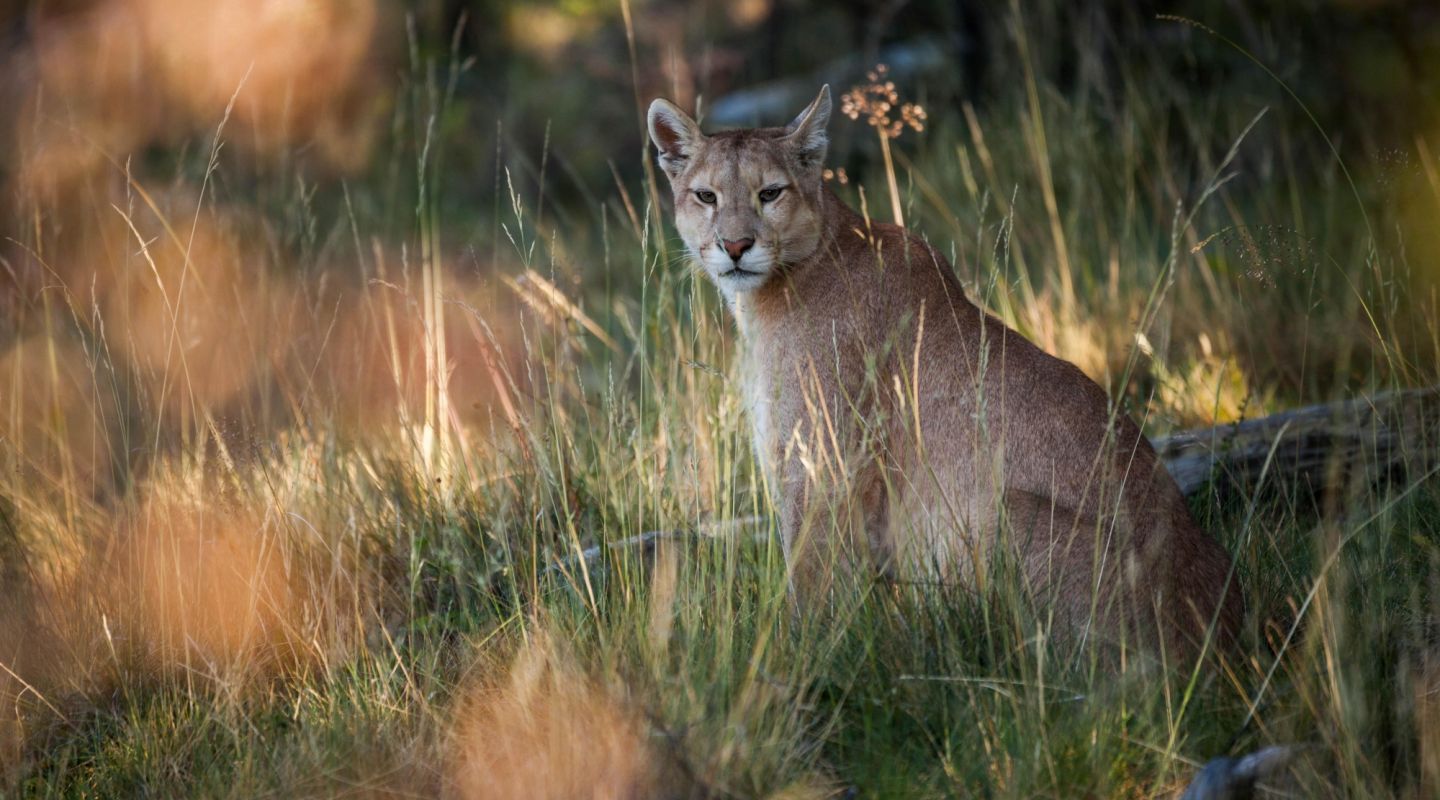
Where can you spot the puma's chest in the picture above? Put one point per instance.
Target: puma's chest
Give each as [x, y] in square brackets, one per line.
[757, 390]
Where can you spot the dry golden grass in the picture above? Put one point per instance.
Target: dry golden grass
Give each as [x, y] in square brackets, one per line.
[369, 357]
[53, 421]
[194, 309]
[541, 728]
[260, 497]
[107, 80]
[188, 587]
[209, 587]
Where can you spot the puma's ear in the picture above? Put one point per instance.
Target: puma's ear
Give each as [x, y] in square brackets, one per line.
[807, 132]
[674, 134]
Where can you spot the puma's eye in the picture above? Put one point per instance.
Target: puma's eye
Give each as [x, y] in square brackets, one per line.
[708, 198]
[769, 194]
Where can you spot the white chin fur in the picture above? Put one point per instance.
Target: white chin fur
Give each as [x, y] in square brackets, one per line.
[757, 267]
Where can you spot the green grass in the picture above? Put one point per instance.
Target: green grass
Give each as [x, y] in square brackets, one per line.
[371, 574]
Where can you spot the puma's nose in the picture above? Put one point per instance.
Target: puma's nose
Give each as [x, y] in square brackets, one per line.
[737, 248]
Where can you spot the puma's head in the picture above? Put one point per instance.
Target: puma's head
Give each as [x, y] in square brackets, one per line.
[747, 202]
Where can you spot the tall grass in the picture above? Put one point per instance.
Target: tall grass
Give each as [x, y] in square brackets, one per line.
[294, 504]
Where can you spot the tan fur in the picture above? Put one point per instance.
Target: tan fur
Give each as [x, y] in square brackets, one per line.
[906, 429]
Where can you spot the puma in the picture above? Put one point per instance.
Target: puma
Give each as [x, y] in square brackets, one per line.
[908, 432]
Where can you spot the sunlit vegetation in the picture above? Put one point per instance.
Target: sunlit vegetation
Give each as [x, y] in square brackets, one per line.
[327, 349]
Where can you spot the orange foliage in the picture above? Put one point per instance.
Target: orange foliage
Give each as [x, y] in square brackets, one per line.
[99, 84]
[544, 730]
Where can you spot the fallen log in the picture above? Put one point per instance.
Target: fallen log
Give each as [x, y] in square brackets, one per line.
[645, 544]
[777, 99]
[1372, 437]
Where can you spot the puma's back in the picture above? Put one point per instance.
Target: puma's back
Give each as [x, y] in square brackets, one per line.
[905, 429]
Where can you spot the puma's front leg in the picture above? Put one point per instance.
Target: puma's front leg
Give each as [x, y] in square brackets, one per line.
[831, 528]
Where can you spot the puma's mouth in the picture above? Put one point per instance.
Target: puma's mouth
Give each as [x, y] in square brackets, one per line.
[740, 272]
